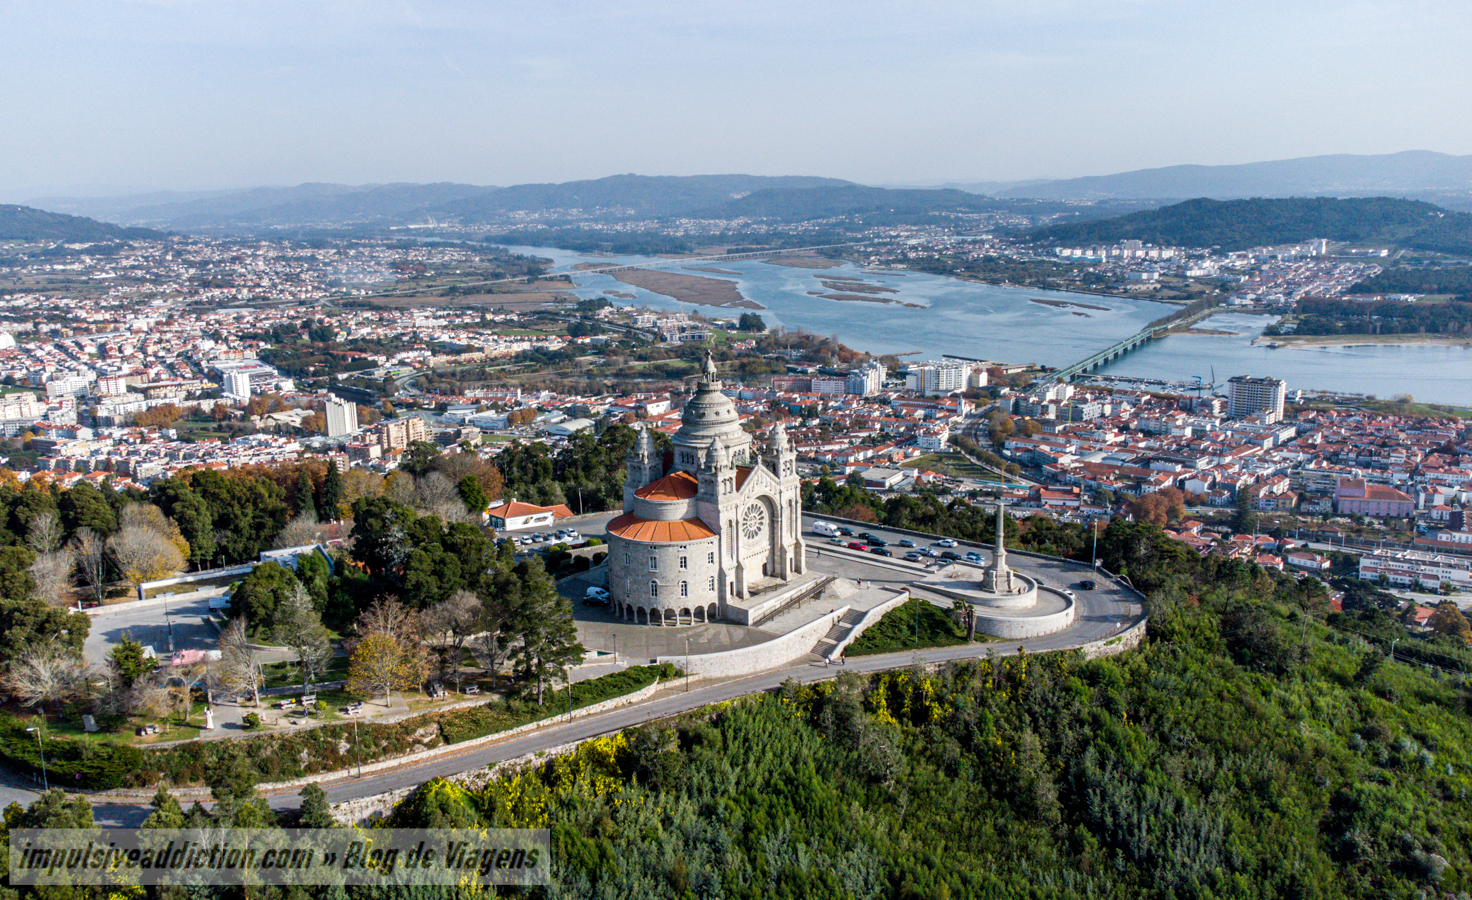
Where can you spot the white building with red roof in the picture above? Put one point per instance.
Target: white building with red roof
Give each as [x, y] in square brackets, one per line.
[708, 524]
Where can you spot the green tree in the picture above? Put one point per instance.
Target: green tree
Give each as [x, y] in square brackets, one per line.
[261, 593]
[128, 663]
[473, 495]
[549, 639]
[330, 503]
[84, 506]
[316, 812]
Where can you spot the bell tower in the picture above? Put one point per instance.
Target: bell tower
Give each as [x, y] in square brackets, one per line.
[644, 467]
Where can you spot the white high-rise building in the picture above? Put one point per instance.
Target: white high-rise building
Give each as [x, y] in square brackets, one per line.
[237, 384]
[342, 417]
[867, 380]
[1247, 396]
[936, 378]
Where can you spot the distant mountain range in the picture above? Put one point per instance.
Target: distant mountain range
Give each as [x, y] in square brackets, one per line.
[342, 206]
[1239, 224]
[24, 223]
[1420, 175]
[1414, 174]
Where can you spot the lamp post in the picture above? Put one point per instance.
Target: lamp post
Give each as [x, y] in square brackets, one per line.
[45, 779]
[687, 665]
[356, 752]
[1392, 649]
[1094, 554]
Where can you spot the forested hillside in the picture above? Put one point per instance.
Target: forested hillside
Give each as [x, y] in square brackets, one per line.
[23, 223]
[1240, 224]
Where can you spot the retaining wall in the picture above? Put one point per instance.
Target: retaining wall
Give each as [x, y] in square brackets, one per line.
[243, 569]
[870, 617]
[1019, 627]
[766, 655]
[1128, 639]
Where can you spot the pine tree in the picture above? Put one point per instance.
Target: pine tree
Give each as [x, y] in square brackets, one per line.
[327, 508]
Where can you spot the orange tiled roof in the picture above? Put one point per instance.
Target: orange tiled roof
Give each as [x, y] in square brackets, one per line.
[674, 486]
[514, 508]
[634, 528]
[742, 473]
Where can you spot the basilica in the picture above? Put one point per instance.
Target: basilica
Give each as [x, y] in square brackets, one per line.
[708, 525]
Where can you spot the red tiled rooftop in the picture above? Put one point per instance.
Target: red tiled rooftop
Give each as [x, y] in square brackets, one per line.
[674, 486]
[634, 528]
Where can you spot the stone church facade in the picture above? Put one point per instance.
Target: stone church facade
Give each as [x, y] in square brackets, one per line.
[707, 525]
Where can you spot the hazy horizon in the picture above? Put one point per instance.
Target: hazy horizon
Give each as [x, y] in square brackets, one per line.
[173, 95]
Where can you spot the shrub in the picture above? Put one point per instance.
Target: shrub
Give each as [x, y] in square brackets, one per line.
[71, 761]
[251, 721]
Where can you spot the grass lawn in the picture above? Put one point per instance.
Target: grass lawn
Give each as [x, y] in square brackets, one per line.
[913, 625]
[952, 465]
[286, 674]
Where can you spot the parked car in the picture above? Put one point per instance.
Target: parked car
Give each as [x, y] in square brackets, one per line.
[950, 554]
[1087, 584]
[838, 540]
[912, 556]
[858, 545]
[595, 596]
[905, 542]
[866, 535]
[880, 551]
[945, 542]
[845, 531]
[929, 551]
[878, 542]
[973, 557]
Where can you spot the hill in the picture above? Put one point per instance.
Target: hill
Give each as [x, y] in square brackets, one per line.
[328, 205]
[621, 196]
[1239, 224]
[1414, 173]
[788, 205]
[24, 223]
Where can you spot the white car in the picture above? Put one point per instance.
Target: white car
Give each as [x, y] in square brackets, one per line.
[595, 596]
[945, 542]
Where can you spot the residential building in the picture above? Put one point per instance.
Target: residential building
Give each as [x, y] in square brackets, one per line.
[1247, 395]
[342, 417]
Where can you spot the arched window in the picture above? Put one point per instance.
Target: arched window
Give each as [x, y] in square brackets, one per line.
[653, 589]
[684, 589]
[710, 584]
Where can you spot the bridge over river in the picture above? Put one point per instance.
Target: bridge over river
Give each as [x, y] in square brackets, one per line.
[1138, 339]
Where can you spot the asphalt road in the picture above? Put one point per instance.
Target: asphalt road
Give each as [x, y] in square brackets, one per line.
[1102, 612]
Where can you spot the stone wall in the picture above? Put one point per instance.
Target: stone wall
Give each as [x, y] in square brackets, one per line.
[759, 657]
[870, 617]
[1128, 639]
[629, 575]
[1019, 627]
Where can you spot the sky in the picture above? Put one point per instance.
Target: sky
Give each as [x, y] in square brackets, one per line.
[115, 96]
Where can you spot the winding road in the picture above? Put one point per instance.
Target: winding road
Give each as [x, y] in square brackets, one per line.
[1106, 611]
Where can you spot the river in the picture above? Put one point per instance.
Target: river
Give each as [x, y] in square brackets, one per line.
[934, 315]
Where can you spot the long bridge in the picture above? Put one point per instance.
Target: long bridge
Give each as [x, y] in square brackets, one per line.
[1109, 354]
[1133, 342]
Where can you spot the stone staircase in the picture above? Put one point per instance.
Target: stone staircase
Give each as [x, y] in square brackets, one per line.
[828, 643]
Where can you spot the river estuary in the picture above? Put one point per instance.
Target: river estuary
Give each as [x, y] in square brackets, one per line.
[925, 316]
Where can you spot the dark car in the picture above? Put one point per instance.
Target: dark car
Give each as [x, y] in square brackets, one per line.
[905, 542]
[866, 535]
[880, 551]
[878, 542]
[1087, 585]
[856, 545]
[950, 554]
[845, 531]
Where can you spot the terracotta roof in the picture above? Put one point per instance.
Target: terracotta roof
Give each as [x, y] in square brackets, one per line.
[516, 508]
[634, 528]
[742, 473]
[674, 486]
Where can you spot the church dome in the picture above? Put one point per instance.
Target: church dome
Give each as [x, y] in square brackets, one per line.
[710, 416]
